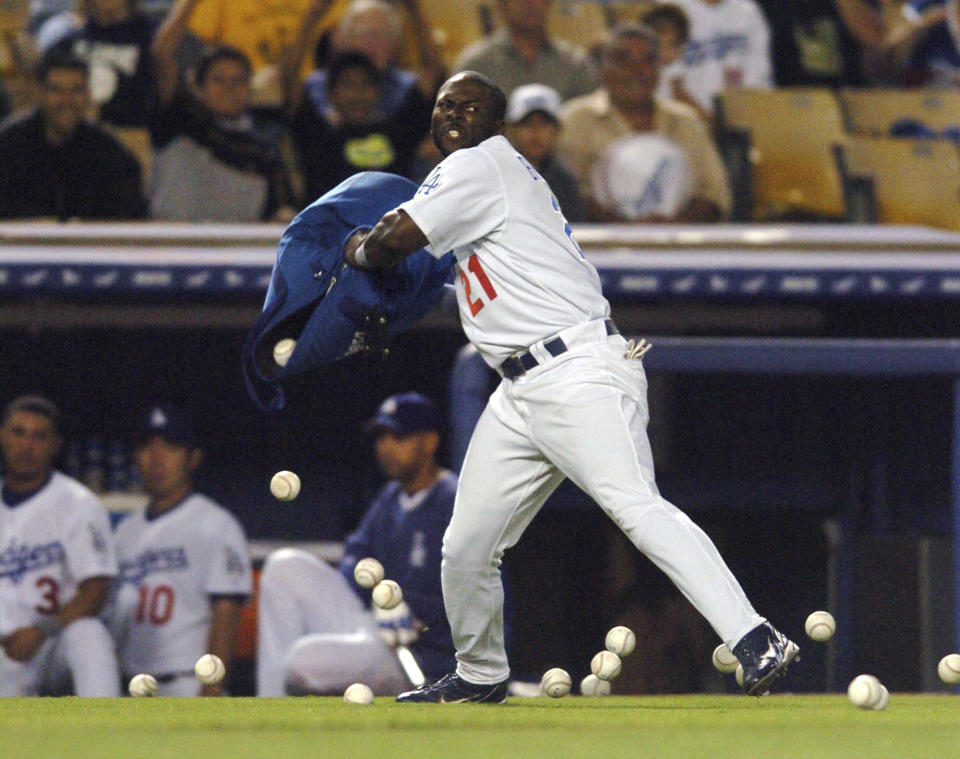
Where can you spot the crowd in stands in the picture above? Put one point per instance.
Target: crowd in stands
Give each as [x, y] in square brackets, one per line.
[209, 110]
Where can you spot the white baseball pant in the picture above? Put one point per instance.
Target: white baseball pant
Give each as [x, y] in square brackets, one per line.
[582, 415]
[314, 636]
[81, 660]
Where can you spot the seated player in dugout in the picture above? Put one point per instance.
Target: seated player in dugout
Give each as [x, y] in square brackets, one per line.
[317, 633]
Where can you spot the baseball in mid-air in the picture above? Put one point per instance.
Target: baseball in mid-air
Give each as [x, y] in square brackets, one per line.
[865, 691]
[555, 683]
[285, 486]
[605, 665]
[738, 674]
[593, 687]
[387, 594]
[723, 660]
[209, 669]
[368, 572]
[949, 669]
[283, 350]
[820, 626]
[358, 693]
[142, 686]
[620, 640]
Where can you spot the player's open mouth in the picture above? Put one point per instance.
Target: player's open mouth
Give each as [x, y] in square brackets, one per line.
[453, 134]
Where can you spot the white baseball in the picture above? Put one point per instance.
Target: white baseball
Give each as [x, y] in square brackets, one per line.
[949, 669]
[285, 486]
[142, 686]
[594, 687]
[209, 669]
[387, 594]
[621, 641]
[358, 693]
[883, 700]
[555, 683]
[605, 665]
[368, 572]
[820, 626]
[283, 350]
[864, 691]
[738, 674]
[723, 660]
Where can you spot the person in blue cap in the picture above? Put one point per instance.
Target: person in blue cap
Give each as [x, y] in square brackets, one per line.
[316, 633]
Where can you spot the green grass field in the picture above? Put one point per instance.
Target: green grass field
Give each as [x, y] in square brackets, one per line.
[780, 727]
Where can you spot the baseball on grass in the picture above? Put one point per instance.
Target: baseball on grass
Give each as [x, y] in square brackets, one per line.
[883, 700]
[949, 669]
[142, 685]
[283, 350]
[605, 665]
[555, 683]
[864, 691]
[368, 572]
[285, 486]
[620, 640]
[593, 687]
[820, 626]
[358, 693]
[723, 660]
[387, 594]
[209, 669]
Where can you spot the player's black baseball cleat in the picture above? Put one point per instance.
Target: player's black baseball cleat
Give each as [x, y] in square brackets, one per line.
[764, 653]
[453, 689]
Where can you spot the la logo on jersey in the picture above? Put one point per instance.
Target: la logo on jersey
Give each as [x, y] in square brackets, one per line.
[157, 560]
[431, 183]
[19, 558]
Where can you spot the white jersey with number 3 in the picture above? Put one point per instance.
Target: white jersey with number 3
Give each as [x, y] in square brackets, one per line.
[170, 565]
[521, 275]
[49, 544]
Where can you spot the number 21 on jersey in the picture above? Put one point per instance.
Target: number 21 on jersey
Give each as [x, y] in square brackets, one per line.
[476, 269]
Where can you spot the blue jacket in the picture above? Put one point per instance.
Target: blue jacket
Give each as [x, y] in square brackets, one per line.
[331, 309]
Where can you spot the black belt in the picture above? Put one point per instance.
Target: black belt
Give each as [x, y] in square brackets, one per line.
[521, 363]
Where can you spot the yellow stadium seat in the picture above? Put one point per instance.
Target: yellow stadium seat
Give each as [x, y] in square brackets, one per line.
[874, 111]
[578, 22]
[790, 133]
[458, 24]
[915, 181]
[137, 141]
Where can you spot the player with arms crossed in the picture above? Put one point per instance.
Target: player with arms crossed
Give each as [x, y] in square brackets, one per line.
[572, 402]
[56, 561]
[184, 564]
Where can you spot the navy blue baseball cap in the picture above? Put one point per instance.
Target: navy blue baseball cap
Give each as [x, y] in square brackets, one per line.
[406, 413]
[169, 422]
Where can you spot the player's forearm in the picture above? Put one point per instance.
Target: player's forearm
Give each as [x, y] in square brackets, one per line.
[88, 601]
[224, 623]
[394, 238]
[163, 50]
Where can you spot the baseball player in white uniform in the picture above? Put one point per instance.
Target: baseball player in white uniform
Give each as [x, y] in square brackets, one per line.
[56, 561]
[184, 565]
[572, 402]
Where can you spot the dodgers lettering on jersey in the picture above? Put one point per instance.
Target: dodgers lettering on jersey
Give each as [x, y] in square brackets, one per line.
[729, 47]
[49, 544]
[170, 565]
[521, 276]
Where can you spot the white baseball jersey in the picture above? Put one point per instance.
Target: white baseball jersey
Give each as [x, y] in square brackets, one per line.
[49, 543]
[170, 565]
[520, 274]
[729, 47]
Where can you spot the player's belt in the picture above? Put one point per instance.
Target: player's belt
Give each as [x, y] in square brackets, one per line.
[169, 677]
[521, 363]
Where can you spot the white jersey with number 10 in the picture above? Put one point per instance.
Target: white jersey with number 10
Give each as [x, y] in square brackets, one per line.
[520, 274]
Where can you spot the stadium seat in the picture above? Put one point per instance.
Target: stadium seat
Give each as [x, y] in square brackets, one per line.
[786, 135]
[877, 111]
[458, 25]
[580, 23]
[914, 181]
[137, 141]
